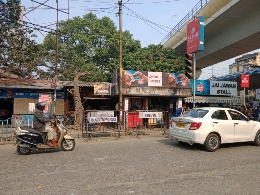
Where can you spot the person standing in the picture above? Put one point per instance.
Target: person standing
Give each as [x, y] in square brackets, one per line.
[180, 111]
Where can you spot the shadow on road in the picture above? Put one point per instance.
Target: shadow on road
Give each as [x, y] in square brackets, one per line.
[46, 151]
[186, 146]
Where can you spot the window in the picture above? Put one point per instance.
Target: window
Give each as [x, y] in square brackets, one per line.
[198, 113]
[237, 115]
[219, 115]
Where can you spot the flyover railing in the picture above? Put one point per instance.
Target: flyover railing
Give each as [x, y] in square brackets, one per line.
[197, 8]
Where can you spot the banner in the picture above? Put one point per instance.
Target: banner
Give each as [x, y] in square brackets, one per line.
[101, 114]
[227, 88]
[101, 89]
[244, 81]
[154, 79]
[102, 120]
[150, 114]
[202, 87]
[195, 35]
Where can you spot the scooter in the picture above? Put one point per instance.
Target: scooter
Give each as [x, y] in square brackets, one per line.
[29, 139]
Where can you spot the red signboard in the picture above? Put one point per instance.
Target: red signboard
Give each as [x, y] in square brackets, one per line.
[244, 81]
[195, 35]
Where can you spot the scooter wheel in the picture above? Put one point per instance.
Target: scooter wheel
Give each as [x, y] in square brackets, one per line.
[68, 144]
[23, 150]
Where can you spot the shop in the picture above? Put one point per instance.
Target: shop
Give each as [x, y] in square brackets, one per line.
[150, 98]
[19, 96]
[210, 93]
[94, 96]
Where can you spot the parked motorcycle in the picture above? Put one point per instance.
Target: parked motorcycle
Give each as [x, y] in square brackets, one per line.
[29, 139]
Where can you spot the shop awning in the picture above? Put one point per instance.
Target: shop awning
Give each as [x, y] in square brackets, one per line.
[213, 99]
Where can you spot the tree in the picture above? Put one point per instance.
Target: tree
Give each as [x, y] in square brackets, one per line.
[155, 58]
[94, 47]
[19, 54]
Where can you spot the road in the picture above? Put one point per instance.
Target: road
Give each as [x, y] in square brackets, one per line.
[149, 165]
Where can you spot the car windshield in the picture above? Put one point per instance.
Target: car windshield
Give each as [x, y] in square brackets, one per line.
[198, 113]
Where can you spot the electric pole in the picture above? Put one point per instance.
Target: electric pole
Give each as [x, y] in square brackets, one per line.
[120, 63]
[54, 78]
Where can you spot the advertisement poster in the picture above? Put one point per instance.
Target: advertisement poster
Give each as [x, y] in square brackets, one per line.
[46, 98]
[195, 35]
[101, 89]
[135, 78]
[228, 88]
[155, 79]
[244, 81]
[202, 87]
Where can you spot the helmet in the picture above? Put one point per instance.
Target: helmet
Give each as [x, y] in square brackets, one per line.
[40, 105]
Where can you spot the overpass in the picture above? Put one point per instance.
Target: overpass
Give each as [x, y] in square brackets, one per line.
[232, 28]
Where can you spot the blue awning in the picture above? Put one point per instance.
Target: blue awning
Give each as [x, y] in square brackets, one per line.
[237, 75]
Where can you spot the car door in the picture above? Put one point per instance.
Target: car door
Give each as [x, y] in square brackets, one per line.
[223, 125]
[243, 127]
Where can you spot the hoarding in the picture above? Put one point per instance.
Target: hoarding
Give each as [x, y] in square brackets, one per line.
[195, 35]
[154, 79]
[244, 81]
[227, 88]
[101, 89]
[202, 87]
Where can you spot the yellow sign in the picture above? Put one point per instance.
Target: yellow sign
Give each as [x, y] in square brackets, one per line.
[101, 89]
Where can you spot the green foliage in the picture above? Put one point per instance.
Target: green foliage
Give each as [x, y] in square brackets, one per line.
[94, 47]
[19, 54]
[155, 58]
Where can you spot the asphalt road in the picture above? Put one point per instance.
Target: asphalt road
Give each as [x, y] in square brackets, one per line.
[149, 165]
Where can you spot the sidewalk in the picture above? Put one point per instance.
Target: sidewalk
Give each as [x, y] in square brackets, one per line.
[130, 132]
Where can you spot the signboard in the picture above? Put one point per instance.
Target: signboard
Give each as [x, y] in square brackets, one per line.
[195, 35]
[150, 114]
[101, 89]
[202, 87]
[154, 79]
[102, 120]
[257, 94]
[244, 81]
[34, 95]
[3, 94]
[101, 114]
[157, 91]
[227, 88]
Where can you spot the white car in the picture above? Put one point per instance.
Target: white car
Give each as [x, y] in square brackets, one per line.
[212, 126]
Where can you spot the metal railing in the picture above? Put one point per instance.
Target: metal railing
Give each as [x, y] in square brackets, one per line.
[9, 125]
[135, 122]
[197, 8]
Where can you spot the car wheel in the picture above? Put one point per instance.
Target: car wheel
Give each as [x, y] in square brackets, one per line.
[212, 142]
[257, 139]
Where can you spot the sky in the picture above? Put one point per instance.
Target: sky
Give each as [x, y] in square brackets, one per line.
[149, 21]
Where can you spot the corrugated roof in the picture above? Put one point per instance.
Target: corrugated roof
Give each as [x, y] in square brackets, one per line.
[10, 83]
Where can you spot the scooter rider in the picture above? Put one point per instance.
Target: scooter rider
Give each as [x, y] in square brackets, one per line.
[39, 121]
